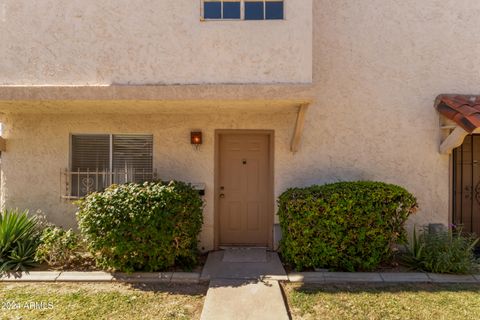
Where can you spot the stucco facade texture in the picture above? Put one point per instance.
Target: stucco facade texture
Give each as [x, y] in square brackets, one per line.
[89, 42]
[39, 148]
[376, 69]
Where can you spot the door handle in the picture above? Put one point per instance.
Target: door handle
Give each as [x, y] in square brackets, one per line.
[222, 195]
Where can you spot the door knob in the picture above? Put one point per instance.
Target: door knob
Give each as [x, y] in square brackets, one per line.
[222, 195]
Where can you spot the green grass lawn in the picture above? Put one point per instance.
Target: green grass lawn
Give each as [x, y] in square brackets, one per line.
[100, 301]
[409, 301]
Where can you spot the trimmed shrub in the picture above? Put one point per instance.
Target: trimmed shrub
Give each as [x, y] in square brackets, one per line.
[147, 227]
[19, 235]
[446, 251]
[343, 226]
[61, 248]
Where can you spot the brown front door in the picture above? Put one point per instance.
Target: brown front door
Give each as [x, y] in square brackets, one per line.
[466, 187]
[244, 189]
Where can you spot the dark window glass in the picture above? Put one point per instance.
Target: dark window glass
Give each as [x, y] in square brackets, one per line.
[132, 158]
[99, 160]
[212, 10]
[90, 152]
[274, 10]
[231, 10]
[254, 10]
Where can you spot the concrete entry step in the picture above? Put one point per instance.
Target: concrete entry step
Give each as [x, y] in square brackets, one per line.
[239, 265]
[244, 299]
[245, 255]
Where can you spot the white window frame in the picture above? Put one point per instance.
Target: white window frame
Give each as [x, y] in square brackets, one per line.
[242, 10]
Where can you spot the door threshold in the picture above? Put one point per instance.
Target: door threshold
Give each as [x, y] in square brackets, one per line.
[242, 247]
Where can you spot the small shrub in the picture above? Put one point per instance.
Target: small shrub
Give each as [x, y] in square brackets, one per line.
[447, 251]
[61, 248]
[147, 227]
[345, 226]
[19, 235]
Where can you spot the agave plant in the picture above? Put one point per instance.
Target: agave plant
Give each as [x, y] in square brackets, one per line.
[445, 251]
[18, 240]
[415, 250]
[21, 257]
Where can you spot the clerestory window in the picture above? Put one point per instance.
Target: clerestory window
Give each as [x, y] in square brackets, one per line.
[243, 10]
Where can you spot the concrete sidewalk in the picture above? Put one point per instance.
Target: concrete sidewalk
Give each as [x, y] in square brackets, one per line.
[244, 299]
[244, 285]
[100, 276]
[380, 277]
[195, 277]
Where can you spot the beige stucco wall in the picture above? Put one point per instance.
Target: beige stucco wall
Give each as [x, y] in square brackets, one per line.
[377, 67]
[39, 148]
[57, 42]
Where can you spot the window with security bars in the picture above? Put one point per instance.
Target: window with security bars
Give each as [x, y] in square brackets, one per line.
[243, 9]
[99, 160]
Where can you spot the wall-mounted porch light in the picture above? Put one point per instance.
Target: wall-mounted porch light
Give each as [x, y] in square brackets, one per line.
[196, 139]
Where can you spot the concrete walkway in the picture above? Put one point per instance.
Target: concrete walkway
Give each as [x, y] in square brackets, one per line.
[244, 285]
[194, 277]
[100, 276]
[381, 277]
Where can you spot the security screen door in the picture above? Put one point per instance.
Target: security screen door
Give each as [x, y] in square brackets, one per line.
[466, 185]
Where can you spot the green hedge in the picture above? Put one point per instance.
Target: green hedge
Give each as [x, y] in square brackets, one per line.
[343, 226]
[148, 227]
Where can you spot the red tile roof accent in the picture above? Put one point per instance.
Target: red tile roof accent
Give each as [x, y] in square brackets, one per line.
[463, 109]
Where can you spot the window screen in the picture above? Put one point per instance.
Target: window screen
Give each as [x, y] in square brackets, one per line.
[212, 10]
[254, 10]
[231, 10]
[274, 10]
